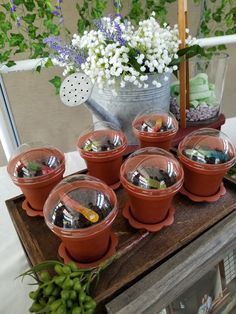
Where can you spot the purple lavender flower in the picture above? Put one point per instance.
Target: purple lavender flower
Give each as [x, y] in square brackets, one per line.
[64, 52]
[109, 35]
[13, 8]
[56, 13]
[117, 36]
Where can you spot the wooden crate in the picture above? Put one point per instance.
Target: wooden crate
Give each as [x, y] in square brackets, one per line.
[149, 250]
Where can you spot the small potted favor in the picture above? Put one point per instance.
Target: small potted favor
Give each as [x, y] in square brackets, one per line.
[80, 211]
[151, 177]
[36, 169]
[102, 147]
[155, 128]
[206, 155]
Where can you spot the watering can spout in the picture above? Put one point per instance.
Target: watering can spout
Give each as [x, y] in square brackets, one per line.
[70, 97]
[102, 113]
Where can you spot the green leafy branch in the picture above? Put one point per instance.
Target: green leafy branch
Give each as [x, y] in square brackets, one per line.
[24, 25]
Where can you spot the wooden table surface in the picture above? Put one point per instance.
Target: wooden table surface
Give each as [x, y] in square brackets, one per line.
[143, 251]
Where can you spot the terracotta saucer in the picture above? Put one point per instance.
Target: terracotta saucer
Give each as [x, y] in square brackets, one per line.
[149, 227]
[208, 199]
[30, 211]
[63, 253]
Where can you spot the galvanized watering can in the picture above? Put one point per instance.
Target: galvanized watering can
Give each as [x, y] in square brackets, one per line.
[120, 109]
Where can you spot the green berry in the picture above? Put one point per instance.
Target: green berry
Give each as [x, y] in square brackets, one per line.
[61, 310]
[82, 296]
[66, 269]
[44, 276]
[77, 286]
[73, 295]
[35, 307]
[89, 303]
[65, 294]
[55, 305]
[76, 310]
[60, 279]
[33, 295]
[72, 266]
[68, 284]
[47, 291]
[58, 269]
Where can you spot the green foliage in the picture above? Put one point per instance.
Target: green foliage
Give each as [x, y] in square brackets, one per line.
[217, 18]
[56, 82]
[22, 25]
[65, 289]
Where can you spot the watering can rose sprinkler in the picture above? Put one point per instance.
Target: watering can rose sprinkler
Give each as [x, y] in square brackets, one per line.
[76, 89]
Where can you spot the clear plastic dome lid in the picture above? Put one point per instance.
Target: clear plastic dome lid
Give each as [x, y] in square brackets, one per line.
[34, 160]
[79, 202]
[207, 146]
[154, 120]
[152, 168]
[102, 137]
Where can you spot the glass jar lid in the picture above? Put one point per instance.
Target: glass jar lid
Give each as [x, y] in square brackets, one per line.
[152, 168]
[34, 160]
[207, 146]
[79, 202]
[154, 120]
[102, 137]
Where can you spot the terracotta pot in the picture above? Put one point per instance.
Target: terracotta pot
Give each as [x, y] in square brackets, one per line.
[103, 165]
[205, 179]
[87, 244]
[151, 206]
[155, 139]
[36, 189]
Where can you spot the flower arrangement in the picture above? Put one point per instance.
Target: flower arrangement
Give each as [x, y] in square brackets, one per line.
[117, 52]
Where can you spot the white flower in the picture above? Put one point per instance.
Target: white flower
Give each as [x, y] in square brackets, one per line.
[149, 48]
[143, 68]
[143, 78]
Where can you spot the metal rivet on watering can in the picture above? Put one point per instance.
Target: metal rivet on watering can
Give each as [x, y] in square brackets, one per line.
[76, 89]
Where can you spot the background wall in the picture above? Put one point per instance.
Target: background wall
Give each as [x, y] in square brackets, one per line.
[39, 113]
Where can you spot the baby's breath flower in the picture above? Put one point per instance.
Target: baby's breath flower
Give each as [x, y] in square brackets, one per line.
[117, 53]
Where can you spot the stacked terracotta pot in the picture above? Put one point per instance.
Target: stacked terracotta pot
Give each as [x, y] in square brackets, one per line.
[154, 128]
[36, 169]
[80, 211]
[102, 147]
[206, 155]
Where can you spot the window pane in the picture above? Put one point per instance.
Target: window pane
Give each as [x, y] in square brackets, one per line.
[39, 114]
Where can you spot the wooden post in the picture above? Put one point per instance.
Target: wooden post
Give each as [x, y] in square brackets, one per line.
[182, 13]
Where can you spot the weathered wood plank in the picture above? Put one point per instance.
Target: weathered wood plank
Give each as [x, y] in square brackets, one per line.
[165, 283]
